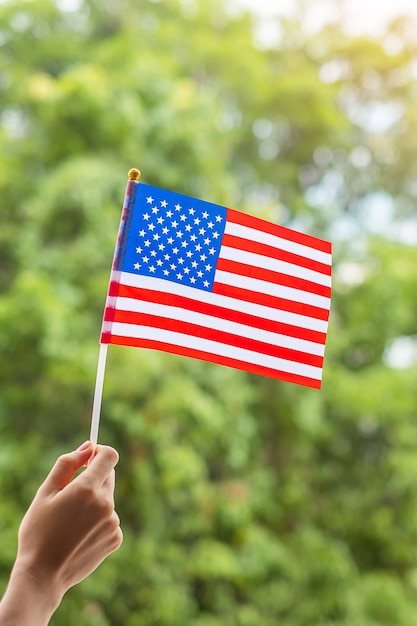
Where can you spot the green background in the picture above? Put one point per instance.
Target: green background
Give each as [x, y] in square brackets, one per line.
[244, 501]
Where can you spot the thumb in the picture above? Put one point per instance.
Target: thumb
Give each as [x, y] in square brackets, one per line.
[65, 467]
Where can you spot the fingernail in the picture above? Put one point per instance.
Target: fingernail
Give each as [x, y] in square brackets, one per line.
[84, 446]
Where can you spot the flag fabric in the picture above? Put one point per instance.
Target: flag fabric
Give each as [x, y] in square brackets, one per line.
[205, 281]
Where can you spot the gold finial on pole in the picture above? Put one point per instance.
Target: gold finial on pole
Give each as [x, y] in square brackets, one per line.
[134, 174]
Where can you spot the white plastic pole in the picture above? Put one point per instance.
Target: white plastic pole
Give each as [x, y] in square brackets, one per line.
[98, 392]
[133, 179]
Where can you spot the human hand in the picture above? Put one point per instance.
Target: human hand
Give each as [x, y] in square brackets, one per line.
[68, 530]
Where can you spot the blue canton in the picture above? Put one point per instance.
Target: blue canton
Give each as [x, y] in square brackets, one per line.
[174, 237]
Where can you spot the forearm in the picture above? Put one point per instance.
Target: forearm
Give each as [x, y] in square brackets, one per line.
[26, 602]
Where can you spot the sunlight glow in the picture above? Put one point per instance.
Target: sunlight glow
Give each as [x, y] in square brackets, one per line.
[356, 16]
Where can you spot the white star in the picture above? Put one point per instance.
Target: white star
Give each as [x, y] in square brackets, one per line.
[170, 241]
[145, 259]
[147, 243]
[152, 269]
[216, 235]
[174, 224]
[149, 199]
[173, 266]
[179, 276]
[165, 231]
[139, 250]
[178, 207]
[181, 261]
[205, 215]
[198, 247]
[206, 283]
[184, 244]
[141, 233]
[193, 237]
[160, 220]
[164, 204]
[197, 221]
[179, 234]
[175, 250]
[212, 251]
[161, 246]
[167, 257]
[137, 266]
[153, 253]
[191, 211]
[207, 241]
[156, 237]
[188, 228]
[151, 226]
[208, 268]
[219, 218]
[189, 254]
[210, 224]
[169, 214]
[193, 280]
[194, 264]
[203, 257]
[202, 231]
[186, 270]
[146, 216]
[200, 274]
[155, 209]
[183, 217]
[159, 263]
[166, 272]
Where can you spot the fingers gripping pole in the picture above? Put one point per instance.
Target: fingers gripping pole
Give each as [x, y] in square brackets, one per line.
[98, 392]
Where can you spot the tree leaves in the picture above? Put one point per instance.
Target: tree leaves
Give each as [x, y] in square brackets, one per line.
[244, 501]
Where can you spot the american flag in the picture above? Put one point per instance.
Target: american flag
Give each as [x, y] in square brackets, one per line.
[205, 281]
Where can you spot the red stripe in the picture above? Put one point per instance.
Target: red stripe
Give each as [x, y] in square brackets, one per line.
[271, 301]
[109, 314]
[279, 231]
[158, 297]
[114, 288]
[242, 269]
[106, 337]
[275, 253]
[223, 337]
[214, 358]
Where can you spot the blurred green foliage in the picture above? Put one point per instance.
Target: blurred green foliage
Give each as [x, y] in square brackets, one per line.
[244, 501]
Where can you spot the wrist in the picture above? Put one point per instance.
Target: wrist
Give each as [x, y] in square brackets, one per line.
[30, 599]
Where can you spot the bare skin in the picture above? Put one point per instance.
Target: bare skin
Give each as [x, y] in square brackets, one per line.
[69, 529]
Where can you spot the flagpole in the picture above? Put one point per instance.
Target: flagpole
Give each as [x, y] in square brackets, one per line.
[133, 177]
[98, 392]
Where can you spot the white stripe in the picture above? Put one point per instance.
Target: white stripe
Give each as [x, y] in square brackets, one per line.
[271, 289]
[252, 234]
[260, 310]
[268, 263]
[214, 347]
[208, 321]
